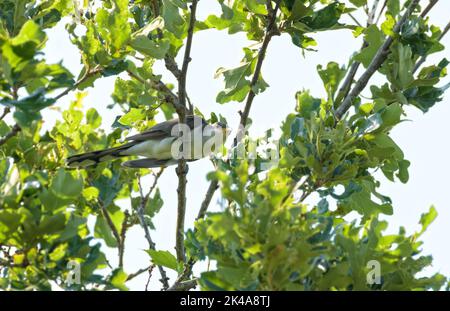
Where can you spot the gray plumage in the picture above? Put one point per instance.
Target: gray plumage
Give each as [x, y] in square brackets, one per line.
[154, 144]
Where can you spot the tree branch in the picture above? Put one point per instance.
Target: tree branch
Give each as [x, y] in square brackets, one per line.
[182, 166]
[375, 64]
[345, 87]
[381, 11]
[139, 272]
[244, 116]
[271, 30]
[5, 112]
[428, 8]
[184, 285]
[114, 230]
[140, 213]
[171, 97]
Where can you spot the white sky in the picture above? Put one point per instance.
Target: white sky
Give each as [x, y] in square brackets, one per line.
[423, 140]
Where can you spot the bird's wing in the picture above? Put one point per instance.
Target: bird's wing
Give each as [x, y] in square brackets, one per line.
[149, 163]
[159, 131]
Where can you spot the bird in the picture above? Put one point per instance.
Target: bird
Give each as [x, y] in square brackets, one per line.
[161, 145]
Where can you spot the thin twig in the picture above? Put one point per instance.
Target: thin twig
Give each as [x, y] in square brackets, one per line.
[139, 272]
[345, 87]
[428, 8]
[141, 216]
[14, 131]
[424, 58]
[87, 75]
[244, 116]
[184, 285]
[5, 112]
[271, 30]
[354, 19]
[171, 97]
[182, 166]
[374, 65]
[371, 17]
[123, 234]
[381, 12]
[208, 197]
[149, 277]
[114, 231]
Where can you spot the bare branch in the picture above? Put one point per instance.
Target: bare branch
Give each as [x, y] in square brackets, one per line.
[371, 17]
[345, 87]
[5, 112]
[114, 230]
[381, 11]
[271, 30]
[140, 213]
[139, 272]
[182, 166]
[354, 19]
[375, 64]
[428, 8]
[184, 285]
[208, 197]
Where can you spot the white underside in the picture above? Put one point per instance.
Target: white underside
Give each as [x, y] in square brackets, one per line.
[166, 148]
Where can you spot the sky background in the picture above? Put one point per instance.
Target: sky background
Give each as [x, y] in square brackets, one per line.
[424, 140]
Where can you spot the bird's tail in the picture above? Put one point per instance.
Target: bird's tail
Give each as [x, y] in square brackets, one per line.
[94, 157]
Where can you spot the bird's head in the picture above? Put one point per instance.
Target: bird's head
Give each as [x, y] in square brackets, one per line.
[223, 128]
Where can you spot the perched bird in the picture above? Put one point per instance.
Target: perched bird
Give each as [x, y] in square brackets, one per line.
[162, 145]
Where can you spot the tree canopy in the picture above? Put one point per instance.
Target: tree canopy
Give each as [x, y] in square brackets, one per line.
[267, 237]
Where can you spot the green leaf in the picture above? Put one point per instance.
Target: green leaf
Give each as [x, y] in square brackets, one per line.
[358, 3]
[427, 218]
[52, 224]
[154, 204]
[118, 279]
[155, 49]
[374, 38]
[172, 18]
[324, 18]
[331, 76]
[65, 185]
[236, 84]
[103, 231]
[114, 26]
[132, 117]
[90, 193]
[163, 258]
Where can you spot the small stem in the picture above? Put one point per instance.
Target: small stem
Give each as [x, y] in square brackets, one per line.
[5, 112]
[354, 19]
[139, 272]
[374, 65]
[428, 8]
[141, 216]
[381, 12]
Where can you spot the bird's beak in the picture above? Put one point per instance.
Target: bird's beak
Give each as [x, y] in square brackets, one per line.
[225, 129]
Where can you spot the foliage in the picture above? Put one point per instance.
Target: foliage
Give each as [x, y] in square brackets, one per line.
[273, 234]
